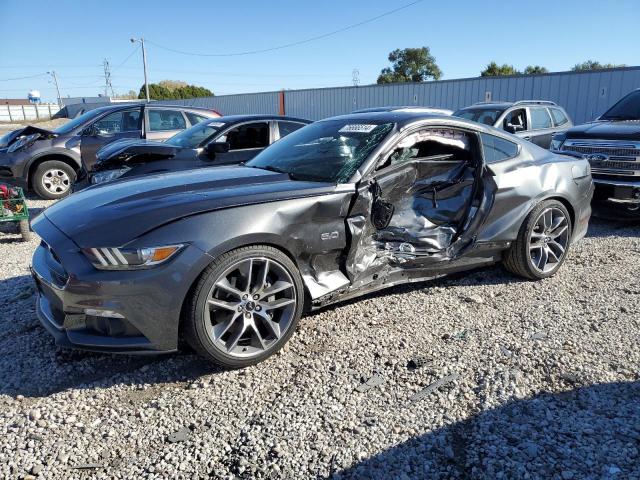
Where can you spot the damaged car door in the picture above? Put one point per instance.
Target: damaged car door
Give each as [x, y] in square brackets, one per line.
[419, 206]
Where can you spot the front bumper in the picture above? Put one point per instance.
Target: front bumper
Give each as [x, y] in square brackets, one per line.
[109, 311]
[618, 193]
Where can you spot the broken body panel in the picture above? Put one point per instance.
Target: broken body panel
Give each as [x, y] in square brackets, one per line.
[424, 203]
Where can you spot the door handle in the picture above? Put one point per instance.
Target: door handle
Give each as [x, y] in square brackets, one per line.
[527, 138]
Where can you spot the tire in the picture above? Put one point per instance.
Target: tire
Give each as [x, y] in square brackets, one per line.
[534, 241]
[259, 316]
[53, 179]
[23, 227]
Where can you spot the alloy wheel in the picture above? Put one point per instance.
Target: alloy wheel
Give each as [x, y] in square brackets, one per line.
[249, 307]
[56, 181]
[549, 239]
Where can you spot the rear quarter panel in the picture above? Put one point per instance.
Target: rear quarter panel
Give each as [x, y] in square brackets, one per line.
[525, 181]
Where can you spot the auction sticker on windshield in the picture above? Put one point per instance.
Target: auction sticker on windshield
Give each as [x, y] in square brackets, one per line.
[357, 128]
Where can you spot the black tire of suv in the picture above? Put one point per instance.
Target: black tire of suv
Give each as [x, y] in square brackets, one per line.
[192, 325]
[36, 179]
[517, 259]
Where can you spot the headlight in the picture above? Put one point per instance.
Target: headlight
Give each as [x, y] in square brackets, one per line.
[556, 142]
[22, 142]
[108, 175]
[130, 258]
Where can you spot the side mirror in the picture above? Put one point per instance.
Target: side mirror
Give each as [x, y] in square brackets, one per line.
[217, 147]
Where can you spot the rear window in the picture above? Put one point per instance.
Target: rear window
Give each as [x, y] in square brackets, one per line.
[496, 149]
[559, 118]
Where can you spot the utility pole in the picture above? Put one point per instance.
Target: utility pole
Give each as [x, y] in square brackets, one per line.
[55, 81]
[144, 64]
[107, 79]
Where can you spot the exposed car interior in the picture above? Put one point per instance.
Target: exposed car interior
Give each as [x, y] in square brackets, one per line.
[515, 121]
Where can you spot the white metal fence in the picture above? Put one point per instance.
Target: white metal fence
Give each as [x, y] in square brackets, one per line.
[19, 113]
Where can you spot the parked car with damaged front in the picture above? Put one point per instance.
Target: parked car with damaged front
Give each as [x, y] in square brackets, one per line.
[210, 143]
[228, 258]
[48, 161]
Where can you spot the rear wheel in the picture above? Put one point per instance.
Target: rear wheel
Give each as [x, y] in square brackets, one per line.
[53, 179]
[542, 243]
[245, 306]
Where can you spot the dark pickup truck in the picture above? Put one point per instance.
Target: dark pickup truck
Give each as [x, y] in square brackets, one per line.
[611, 143]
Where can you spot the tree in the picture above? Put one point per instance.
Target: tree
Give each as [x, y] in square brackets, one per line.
[172, 85]
[594, 65]
[495, 70]
[410, 65]
[534, 69]
[157, 91]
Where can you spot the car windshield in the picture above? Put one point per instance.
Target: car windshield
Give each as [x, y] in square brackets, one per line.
[76, 122]
[487, 116]
[327, 151]
[626, 109]
[196, 136]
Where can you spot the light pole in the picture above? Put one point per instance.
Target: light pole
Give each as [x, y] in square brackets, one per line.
[55, 81]
[144, 64]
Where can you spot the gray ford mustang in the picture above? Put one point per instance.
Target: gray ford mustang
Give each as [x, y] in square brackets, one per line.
[228, 258]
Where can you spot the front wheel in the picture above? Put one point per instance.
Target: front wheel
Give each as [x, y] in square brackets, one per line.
[53, 179]
[542, 243]
[245, 306]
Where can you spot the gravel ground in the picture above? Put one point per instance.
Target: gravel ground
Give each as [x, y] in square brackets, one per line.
[533, 380]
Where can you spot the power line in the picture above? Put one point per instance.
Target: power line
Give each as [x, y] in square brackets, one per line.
[292, 44]
[23, 78]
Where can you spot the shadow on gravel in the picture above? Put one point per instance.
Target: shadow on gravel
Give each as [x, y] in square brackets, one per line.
[603, 227]
[32, 365]
[591, 432]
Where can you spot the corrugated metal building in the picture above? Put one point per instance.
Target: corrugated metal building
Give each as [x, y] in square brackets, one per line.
[584, 95]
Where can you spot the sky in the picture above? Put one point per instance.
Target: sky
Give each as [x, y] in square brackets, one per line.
[75, 37]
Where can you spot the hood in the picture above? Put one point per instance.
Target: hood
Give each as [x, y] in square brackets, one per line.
[122, 151]
[12, 136]
[113, 214]
[607, 130]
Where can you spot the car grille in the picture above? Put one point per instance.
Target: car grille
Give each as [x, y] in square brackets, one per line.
[608, 157]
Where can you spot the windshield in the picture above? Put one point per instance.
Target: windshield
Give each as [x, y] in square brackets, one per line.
[487, 116]
[328, 151]
[76, 122]
[626, 109]
[196, 136]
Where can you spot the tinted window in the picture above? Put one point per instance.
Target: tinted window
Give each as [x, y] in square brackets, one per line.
[496, 149]
[194, 118]
[249, 135]
[160, 120]
[540, 118]
[626, 109]
[559, 118]
[127, 121]
[288, 127]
